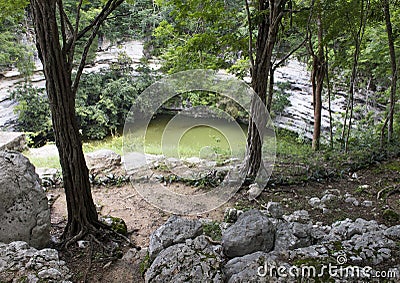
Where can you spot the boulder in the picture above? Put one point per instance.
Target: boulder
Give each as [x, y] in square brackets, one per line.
[102, 161]
[193, 261]
[24, 212]
[275, 210]
[393, 233]
[255, 267]
[252, 232]
[175, 230]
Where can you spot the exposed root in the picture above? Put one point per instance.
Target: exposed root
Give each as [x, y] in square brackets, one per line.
[90, 262]
[82, 233]
[386, 192]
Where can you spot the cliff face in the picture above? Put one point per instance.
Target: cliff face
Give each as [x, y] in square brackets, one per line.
[298, 116]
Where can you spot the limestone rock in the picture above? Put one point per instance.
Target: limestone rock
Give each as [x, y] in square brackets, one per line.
[275, 210]
[393, 233]
[21, 263]
[252, 232]
[24, 212]
[301, 216]
[12, 141]
[314, 202]
[292, 235]
[102, 161]
[193, 261]
[255, 267]
[254, 191]
[175, 230]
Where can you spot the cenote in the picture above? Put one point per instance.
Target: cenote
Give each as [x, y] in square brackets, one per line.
[182, 136]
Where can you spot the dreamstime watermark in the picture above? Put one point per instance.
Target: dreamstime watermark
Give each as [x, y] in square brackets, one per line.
[148, 105]
[338, 270]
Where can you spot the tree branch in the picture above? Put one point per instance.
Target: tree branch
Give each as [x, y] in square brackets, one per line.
[62, 21]
[100, 18]
[74, 35]
[250, 36]
[289, 54]
[110, 6]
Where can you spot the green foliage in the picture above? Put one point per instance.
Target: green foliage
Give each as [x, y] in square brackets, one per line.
[144, 264]
[213, 230]
[12, 8]
[14, 30]
[104, 99]
[199, 34]
[33, 113]
[213, 100]
[280, 99]
[116, 224]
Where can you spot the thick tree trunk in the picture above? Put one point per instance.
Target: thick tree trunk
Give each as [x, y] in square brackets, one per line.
[268, 27]
[259, 82]
[82, 215]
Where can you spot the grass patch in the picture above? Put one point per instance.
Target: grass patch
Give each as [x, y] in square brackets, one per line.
[44, 162]
[113, 143]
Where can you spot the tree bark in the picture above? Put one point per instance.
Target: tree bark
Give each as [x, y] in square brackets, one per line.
[270, 13]
[82, 215]
[393, 86]
[317, 80]
[328, 82]
[364, 5]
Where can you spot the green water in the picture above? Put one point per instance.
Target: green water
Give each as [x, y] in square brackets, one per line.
[190, 137]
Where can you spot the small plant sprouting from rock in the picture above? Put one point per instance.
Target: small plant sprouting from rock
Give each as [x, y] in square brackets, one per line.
[213, 230]
[144, 264]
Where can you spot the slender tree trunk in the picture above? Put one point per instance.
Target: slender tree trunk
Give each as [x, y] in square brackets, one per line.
[271, 88]
[82, 215]
[259, 82]
[318, 74]
[393, 64]
[357, 39]
[328, 82]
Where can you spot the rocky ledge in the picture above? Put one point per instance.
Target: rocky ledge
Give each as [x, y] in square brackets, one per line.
[268, 246]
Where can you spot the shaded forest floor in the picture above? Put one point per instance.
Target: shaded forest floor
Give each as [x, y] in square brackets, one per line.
[375, 188]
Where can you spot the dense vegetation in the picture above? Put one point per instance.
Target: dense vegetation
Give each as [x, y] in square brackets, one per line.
[353, 37]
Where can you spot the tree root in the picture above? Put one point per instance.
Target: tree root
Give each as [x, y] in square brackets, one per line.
[386, 192]
[90, 262]
[99, 233]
